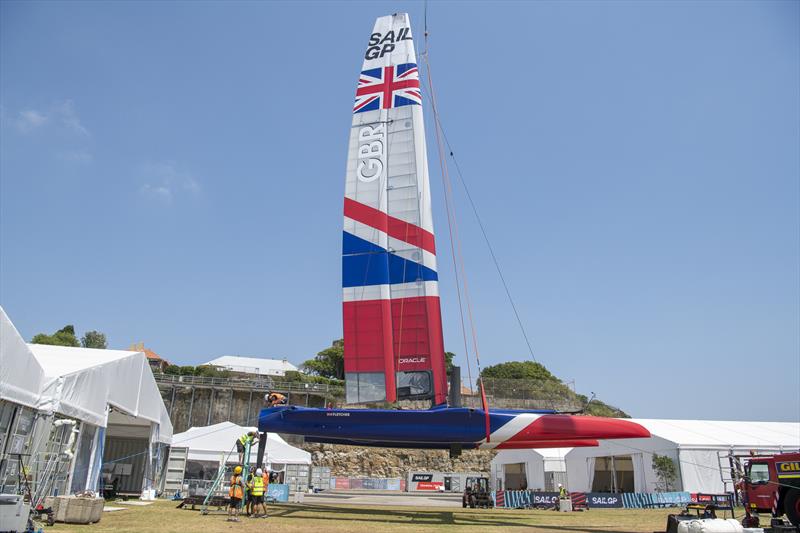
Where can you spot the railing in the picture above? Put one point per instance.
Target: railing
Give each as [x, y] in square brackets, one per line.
[267, 384]
[501, 393]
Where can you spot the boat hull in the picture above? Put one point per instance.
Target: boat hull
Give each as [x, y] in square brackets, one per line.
[443, 428]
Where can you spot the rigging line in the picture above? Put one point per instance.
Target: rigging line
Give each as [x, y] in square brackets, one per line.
[451, 211]
[488, 244]
[442, 165]
[453, 223]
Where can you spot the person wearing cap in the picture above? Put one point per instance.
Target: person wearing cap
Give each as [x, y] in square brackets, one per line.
[236, 493]
[562, 492]
[257, 488]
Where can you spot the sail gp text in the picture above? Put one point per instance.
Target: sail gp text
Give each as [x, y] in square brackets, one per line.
[370, 153]
[380, 44]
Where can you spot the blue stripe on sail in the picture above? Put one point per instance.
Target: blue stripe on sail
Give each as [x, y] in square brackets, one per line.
[356, 245]
[365, 263]
[404, 271]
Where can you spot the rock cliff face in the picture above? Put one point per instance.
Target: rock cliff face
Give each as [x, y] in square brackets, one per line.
[354, 461]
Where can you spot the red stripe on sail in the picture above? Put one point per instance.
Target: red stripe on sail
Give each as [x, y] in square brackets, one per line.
[394, 227]
[403, 334]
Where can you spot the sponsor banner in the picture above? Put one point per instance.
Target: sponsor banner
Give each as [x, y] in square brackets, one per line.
[342, 483]
[638, 500]
[393, 484]
[603, 500]
[356, 483]
[529, 498]
[499, 498]
[429, 485]
[421, 477]
[278, 491]
[578, 500]
[375, 483]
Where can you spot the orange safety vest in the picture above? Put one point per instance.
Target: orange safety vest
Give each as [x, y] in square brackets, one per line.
[236, 490]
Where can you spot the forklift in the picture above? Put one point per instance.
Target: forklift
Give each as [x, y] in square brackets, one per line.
[477, 493]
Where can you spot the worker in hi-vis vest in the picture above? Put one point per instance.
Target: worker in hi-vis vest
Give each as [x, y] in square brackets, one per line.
[236, 493]
[257, 489]
[249, 437]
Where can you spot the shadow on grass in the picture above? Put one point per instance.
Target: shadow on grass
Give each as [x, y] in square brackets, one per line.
[421, 517]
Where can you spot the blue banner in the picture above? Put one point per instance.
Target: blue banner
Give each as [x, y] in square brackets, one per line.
[278, 491]
[603, 500]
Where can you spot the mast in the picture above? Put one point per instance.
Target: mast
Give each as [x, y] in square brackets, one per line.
[393, 345]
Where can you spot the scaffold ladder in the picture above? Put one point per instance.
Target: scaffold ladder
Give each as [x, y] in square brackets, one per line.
[221, 475]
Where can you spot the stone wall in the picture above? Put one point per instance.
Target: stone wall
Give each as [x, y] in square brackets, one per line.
[355, 461]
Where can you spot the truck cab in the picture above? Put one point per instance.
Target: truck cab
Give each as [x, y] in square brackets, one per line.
[773, 481]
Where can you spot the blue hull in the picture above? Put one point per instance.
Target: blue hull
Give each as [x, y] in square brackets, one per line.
[434, 428]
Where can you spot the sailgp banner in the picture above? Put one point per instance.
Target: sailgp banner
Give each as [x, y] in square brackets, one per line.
[603, 500]
[637, 500]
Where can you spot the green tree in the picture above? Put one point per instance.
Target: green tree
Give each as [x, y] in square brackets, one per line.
[63, 337]
[173, 370]
[329, 363]
[518, 370]
[665, 470]
[94, 339]
[448, 362]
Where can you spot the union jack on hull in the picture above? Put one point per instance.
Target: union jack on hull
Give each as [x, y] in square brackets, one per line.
[388, 87]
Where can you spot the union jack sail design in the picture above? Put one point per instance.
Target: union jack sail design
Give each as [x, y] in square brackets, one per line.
[392, 321]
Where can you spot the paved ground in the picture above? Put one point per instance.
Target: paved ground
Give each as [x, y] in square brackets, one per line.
[411, 499]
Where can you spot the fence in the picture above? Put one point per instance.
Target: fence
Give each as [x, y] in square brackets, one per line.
[527, 499]
[367, 483]
[501, 393]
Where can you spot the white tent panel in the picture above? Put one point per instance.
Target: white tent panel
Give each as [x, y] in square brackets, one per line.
[212, 443]
[83, 382]
[21, 375]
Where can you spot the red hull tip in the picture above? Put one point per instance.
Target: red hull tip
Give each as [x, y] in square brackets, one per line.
[564, 427]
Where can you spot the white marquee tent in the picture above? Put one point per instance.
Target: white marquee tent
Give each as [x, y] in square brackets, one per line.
[694, 445]
[56, 399]
[216, 443]
[540, 469]
[21, 375]
[83, 383]
[115, 397]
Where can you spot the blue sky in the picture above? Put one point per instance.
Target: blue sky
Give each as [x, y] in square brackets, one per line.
[172, 173]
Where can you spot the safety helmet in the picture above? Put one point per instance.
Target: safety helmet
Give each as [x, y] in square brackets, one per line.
[560, 485]
[237, 469]
[259, 472]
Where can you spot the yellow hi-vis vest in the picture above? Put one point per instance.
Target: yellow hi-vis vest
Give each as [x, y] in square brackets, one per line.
[244, 438]
[258, 486]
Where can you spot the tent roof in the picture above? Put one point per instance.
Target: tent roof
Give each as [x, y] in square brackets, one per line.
[83, 382]
[722, 433]
[21, 375]
[218, 439]
[254, 365]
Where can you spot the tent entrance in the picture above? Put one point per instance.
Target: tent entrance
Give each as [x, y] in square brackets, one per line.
[124, 463]
[613, 474]
[515, 478]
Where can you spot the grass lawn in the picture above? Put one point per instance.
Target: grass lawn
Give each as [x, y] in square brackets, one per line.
[162, 516]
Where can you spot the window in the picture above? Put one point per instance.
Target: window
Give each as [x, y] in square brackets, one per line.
[759, 472]
[413, 384]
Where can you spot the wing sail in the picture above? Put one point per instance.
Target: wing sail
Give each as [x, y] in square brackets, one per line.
[392, 320]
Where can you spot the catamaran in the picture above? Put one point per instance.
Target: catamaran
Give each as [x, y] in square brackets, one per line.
[393, 346]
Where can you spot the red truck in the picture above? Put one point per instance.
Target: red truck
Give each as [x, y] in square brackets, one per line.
[772, 483]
